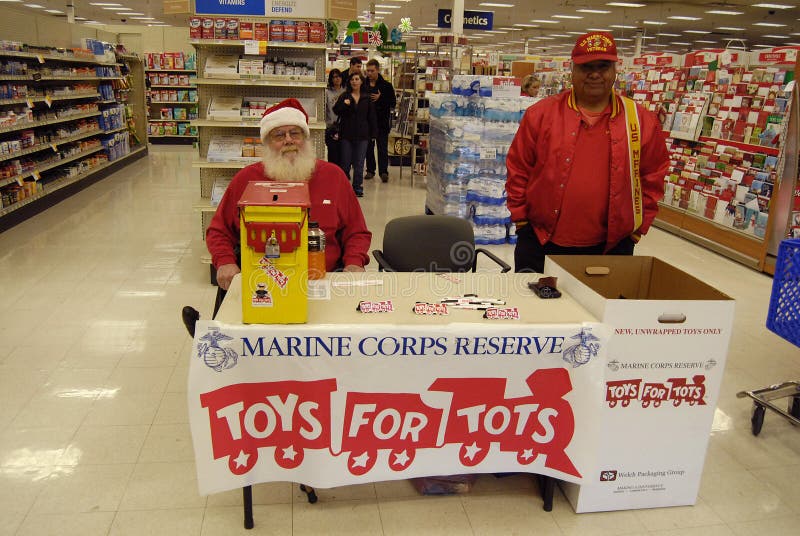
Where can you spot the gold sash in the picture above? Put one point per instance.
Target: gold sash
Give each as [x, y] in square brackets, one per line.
[634, 159]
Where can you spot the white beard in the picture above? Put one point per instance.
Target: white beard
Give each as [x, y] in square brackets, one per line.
[278, 166]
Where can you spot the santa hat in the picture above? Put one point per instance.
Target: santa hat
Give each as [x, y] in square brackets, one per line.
[285, 113]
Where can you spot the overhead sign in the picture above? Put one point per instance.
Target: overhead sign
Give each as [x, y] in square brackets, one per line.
[229, 7]
[473, 20]
[303, 9]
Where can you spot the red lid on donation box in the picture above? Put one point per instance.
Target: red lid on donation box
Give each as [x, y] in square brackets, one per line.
[276, 194]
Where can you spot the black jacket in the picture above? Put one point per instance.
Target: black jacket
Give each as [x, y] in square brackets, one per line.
[358, 121]
[385, 103]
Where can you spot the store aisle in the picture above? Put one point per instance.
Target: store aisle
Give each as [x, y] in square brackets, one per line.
[94, 436]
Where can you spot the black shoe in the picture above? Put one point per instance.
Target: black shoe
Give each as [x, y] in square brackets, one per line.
[190, 316]
[384, 177]
[369, 175]
[359, 194]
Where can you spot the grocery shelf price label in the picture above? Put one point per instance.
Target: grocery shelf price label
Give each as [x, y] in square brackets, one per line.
[29, 103]
[40, 58]
[35, 174]
[488, 153]
[54, 147]
[49, 101]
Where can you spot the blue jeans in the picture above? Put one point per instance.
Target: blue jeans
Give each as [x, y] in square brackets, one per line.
[353, 154]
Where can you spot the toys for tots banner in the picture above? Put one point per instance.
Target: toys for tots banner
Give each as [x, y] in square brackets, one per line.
[330, 405]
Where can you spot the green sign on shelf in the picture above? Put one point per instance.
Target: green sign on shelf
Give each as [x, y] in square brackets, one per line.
[392, 47]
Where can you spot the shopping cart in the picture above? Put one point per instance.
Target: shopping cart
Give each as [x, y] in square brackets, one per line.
[783, 318]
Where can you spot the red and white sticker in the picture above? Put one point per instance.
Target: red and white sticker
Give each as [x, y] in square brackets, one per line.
[422, 308]
[385, 306]
[272, 271]
[502, 313]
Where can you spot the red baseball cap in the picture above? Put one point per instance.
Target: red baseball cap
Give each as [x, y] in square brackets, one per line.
[594, 46]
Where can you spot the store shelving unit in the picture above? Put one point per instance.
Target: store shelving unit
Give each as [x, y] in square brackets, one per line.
[271, 89]
[70, 120]
[746, 222]
[164, 126]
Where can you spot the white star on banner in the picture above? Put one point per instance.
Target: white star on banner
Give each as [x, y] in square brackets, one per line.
[401, 459]
[289, 453]
[472, 451]
[241, 459]
[527, 454]
[361, 461]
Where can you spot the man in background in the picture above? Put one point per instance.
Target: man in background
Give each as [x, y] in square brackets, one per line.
[355, 67]
[381, 92]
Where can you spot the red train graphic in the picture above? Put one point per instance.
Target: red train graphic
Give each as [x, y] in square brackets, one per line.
[677, 390]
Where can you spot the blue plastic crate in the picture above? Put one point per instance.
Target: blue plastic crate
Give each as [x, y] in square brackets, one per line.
[783, 317]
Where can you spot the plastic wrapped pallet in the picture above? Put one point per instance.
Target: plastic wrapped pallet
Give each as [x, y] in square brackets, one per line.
[444, 485]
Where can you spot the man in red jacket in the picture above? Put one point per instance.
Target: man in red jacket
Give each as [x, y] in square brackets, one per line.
[586, 167]
[288, 156]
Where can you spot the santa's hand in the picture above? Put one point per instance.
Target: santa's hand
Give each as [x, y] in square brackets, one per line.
[225, 275]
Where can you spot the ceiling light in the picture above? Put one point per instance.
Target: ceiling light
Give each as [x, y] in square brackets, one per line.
[730, 28]
[597, 11]
[134, 13]
[706, 41]
[774, 6]
[143, 18]
[680, 43]
[576, 33]
[34, 6]
[724, 12]
[490, 4]
[624, 39]
[597, 30]
[771, 36]
[524, 25]
[669, 35]
[762, 46]
[497, 31]
[574, 17]
[622, 26]
[648, 37]
[118, 9]
[697, 31]
[769, 24]
[657, 45]
[383, 12]
[624, 4]
[544, 21]
[683, 17]
[560, 35]
[54, 11]
[92, 22]
[654, 22]
[387, 6]
[102, 4]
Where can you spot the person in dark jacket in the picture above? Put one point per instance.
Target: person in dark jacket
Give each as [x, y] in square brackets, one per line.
[381, 93]
[355, 67]
[357, 127]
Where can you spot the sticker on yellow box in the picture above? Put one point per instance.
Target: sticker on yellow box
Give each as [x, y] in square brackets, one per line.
[261, 297]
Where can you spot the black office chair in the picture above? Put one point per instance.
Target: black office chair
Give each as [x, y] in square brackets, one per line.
[431, 244]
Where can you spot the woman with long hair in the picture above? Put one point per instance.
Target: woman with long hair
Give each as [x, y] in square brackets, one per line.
[358, 125]
[332, 93]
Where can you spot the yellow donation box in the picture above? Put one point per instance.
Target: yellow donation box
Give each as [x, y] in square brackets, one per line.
[274, 239]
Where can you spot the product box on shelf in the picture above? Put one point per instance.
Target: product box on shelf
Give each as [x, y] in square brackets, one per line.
[662, 380]
[207, 28]
[195, 27]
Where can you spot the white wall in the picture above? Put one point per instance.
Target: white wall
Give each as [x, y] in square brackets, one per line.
[40, 30]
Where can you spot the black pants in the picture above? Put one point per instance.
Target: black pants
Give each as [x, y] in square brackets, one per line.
[334, 152]
[382, 142]
[529, 253]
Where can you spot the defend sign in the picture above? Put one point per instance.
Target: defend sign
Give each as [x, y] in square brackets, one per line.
[331, 405]
[303, 9]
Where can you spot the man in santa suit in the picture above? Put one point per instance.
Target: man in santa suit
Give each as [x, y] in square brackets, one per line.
[289, 157]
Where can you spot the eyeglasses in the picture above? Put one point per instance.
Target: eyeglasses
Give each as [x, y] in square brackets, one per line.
[279, 135]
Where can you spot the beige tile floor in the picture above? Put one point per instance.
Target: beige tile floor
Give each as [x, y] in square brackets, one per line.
[93, 363]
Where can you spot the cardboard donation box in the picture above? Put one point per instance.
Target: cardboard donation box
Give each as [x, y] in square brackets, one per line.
[274, 239]
[663, 373]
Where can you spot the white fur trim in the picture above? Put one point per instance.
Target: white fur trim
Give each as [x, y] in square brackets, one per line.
[281, 118]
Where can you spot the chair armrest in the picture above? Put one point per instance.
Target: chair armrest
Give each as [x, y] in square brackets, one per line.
[505, 267]
[383, 264]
